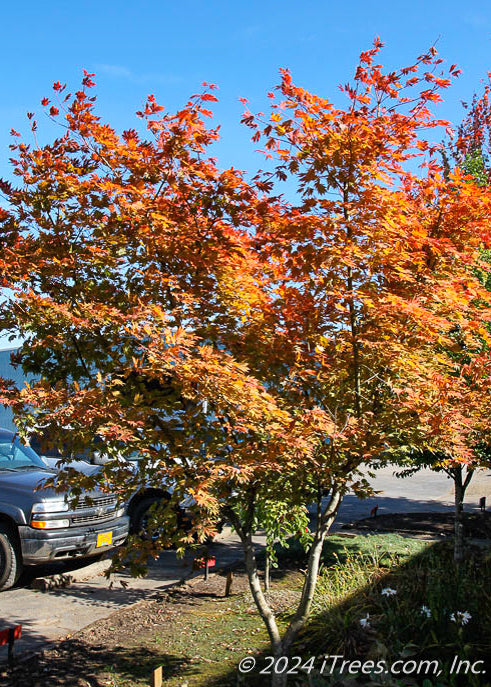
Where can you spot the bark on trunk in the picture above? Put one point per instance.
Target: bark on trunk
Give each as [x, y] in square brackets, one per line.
[281, 646]
[302, 613]
[308, 590]
[262, 605]
[279, 679]
[458, 552]
[267, 572]
[460, 486]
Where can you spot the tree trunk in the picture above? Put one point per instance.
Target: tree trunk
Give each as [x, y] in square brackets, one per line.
[458, 551]
[267, 571]
[308, 590]
[280, 647]
[460, 487]
[302, 613]
[262, 605]
[279, 679]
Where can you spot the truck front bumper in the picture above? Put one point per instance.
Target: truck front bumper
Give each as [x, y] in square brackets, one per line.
[41, 546]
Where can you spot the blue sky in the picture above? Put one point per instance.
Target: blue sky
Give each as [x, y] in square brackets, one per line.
[169, 48]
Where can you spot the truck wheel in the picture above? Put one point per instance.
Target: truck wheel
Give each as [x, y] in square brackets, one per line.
[10, 560]
[139, 517]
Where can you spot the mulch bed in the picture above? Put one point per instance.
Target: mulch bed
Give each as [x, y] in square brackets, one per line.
[476, 525]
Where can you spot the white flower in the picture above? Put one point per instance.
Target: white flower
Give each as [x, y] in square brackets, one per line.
[388, 592]
[462, 617]
[364, 622]
[426, 611]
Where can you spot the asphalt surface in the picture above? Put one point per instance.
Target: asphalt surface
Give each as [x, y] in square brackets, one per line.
[48, 616]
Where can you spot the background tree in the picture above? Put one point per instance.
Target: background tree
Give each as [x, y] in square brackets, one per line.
[257, 354]
[466, 150]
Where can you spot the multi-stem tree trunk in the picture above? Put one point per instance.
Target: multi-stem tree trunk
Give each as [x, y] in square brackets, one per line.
[280, 646]
[460, 486]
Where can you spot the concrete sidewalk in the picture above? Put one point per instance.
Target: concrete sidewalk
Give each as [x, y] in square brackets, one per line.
[424, 491]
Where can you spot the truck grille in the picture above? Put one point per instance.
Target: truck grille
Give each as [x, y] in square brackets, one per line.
[92, 517]
[96, 502]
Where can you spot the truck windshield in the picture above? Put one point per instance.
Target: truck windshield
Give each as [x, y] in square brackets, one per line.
[15, 456]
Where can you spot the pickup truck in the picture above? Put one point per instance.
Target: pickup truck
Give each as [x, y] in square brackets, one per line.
[139, 502]
[39, 525]
[89, 461]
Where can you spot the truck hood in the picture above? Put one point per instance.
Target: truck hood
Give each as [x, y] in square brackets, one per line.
[26, 481]
[30, 482]
[79, 465]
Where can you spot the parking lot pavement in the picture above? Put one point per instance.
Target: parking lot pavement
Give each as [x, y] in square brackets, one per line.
[47, 616]
[424, 491]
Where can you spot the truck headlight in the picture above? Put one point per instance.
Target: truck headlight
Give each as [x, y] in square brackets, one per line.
[50, 507]
[120, 512]
[49, 524]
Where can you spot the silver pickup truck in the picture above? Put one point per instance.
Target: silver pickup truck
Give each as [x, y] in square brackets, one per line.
[40, 525]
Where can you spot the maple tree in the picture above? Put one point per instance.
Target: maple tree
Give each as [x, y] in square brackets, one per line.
[130, 260]
[375, 273]
[258, 354]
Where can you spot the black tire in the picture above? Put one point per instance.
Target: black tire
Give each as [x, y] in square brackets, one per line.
[139, 515]
[10, 557]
